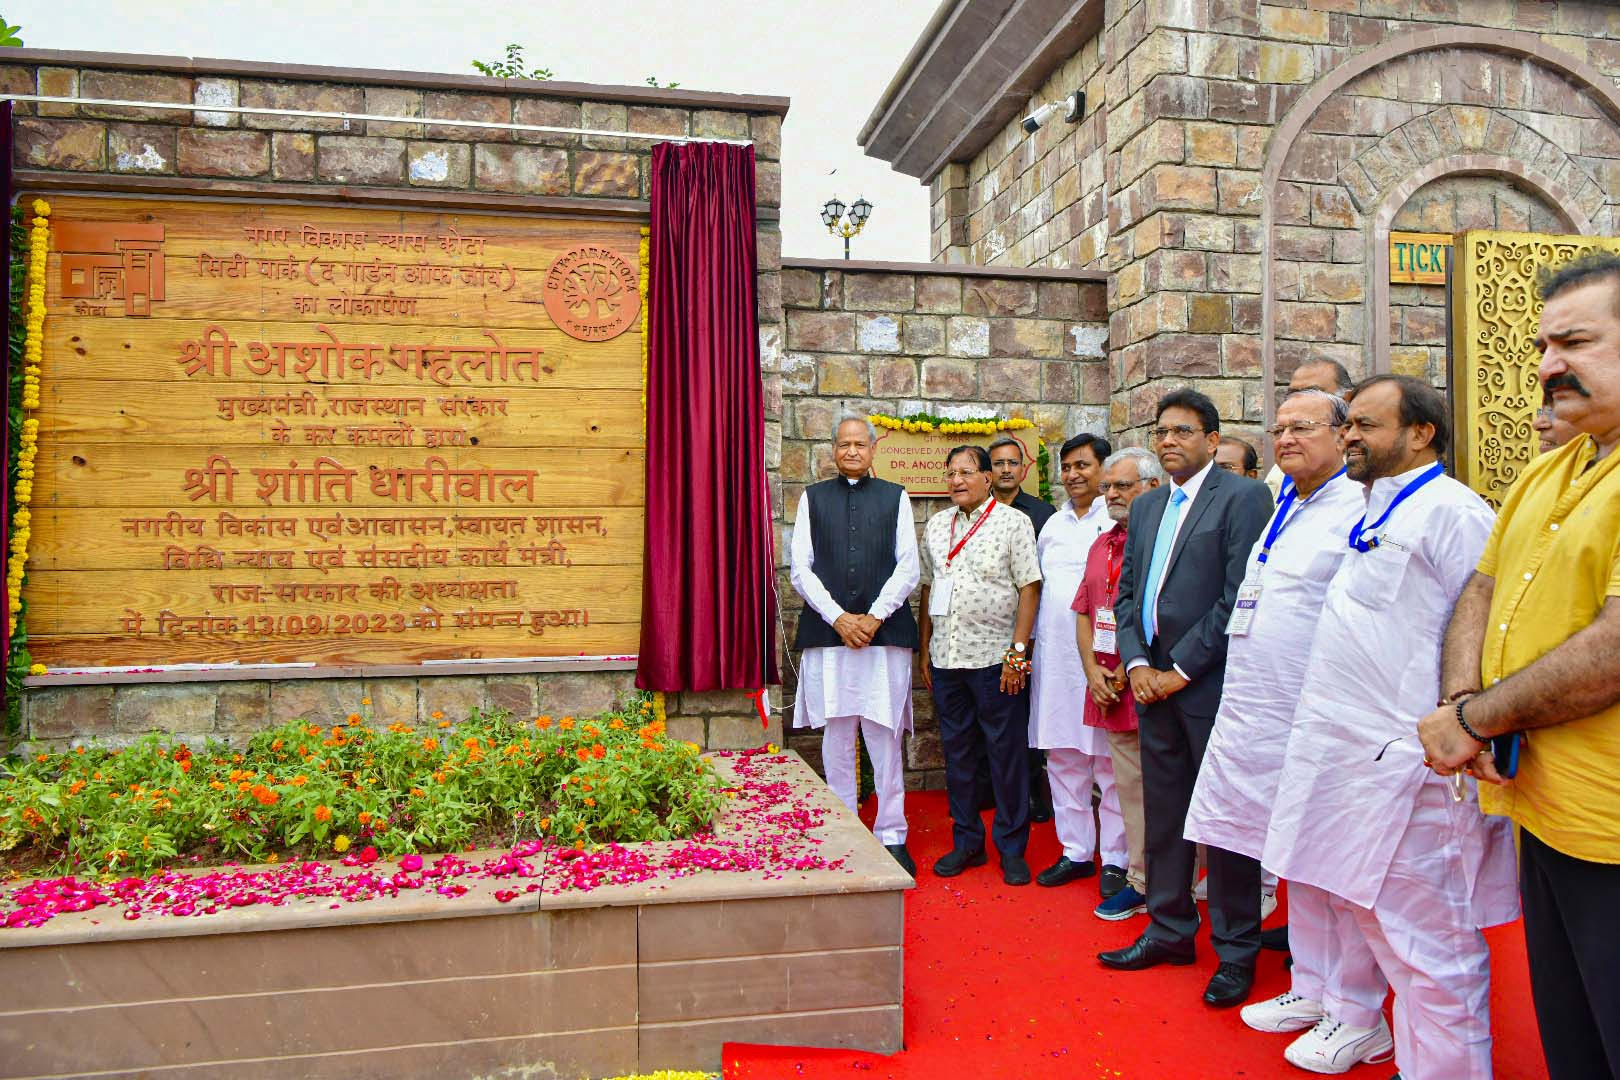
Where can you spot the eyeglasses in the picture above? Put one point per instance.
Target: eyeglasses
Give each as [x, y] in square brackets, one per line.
[1299, 429]
[1180, 431]
[962, 474]
[1122, 486]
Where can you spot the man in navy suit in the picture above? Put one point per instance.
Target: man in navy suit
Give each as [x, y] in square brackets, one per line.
[1186, 553]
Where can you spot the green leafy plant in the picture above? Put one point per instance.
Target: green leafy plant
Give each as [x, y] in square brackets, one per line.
[512, 67]
[8, 35]
[305, 789]
[652, 80]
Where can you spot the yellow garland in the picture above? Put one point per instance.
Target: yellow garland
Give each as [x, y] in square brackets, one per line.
[645, 260]
[950, 427]
[33, 352]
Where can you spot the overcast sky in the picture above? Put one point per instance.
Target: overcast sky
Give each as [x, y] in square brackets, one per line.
[832, 57]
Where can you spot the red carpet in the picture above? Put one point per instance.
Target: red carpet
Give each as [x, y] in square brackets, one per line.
[1004, 983]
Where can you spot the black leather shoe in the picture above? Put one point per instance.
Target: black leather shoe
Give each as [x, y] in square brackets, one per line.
[903, 857]
[1230, 985]
[1111, 882]
[1275, 938]
[957, 861]
[1145, 953]
[1014, 870]
[1039, 812]
[1064, 871]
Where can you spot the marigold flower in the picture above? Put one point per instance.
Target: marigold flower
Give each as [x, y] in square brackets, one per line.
[265, 796]
[438, 714]
[217, 785]
[542, 722]
[323, 813]
[583, 754]
[354, 718]
[579, 828]
[365, 817]
[598, 751]
[340, 843]
[185, 765]
[590, 800]
[545, 823]
[75, 787]
[276, 745]
[418, 792]
[566, 724]
[579, 845]
[365, 701]
[299, 781]
[42, 758]
[444, 723]
[471, 744]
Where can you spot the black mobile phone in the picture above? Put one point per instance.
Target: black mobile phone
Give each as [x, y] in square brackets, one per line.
[1505, 749]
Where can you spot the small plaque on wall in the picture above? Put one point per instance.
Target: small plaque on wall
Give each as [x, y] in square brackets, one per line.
[1418, 258]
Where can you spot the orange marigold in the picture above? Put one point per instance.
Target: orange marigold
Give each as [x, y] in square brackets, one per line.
[217, 785]
[430, 744]
[323, 813]
[299, 781]
[354, 718]
[590, 800]
[75, 787]
[598, 751]
[566, 723]
[542, 722]
[276, 745]
[265, 796]
[583, 754]
[185, 765]
[365, 817]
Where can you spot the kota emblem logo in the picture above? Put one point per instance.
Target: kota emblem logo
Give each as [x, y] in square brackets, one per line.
[591, 293]
[111, 260]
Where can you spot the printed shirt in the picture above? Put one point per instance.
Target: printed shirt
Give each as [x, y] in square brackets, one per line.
[1555, 556]
[1108, 552]
[986, 575]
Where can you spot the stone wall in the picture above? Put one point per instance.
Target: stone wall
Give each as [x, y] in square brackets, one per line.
[1254, 156]
[955, 341]
[191, 150]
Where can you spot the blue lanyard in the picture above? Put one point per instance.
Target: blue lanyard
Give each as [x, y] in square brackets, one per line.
[1285, 502]
[1357, 543]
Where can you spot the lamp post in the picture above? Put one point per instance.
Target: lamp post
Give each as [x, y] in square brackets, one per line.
[833, 210]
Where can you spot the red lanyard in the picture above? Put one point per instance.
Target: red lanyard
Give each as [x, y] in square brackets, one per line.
[988, 510]
[1115, 547]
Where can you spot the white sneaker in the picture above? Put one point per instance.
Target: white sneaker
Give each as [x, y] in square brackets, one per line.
[1285, 1012]
[1268, 905]
[1334, 1047]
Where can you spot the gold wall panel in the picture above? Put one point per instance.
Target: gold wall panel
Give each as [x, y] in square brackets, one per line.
[1494, 319]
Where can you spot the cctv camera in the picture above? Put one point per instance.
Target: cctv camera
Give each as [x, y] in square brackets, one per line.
[1033, 122]
[1074, 106]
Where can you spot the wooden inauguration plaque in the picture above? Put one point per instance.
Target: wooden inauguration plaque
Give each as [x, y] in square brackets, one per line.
[282, 434]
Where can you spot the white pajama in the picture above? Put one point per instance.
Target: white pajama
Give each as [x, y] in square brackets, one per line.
[885, 747]
[1424, 932]
[1333, 963]
[1072, 773]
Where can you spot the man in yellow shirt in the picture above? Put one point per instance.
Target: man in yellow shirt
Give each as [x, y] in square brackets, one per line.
[1533, 648]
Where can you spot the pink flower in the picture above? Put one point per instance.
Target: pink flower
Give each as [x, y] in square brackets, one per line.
[412, 863]
[368, 855]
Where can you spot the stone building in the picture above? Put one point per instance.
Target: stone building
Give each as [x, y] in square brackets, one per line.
[1240, 163]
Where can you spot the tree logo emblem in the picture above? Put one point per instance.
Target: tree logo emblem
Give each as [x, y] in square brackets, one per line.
[591, 293]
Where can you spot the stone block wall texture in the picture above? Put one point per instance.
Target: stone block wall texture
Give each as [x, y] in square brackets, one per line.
[900, 340]
[189, 149]
[1185, 102]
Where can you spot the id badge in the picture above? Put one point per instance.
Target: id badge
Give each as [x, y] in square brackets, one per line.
[1105, 632]
[939, 597]
[1248, 602]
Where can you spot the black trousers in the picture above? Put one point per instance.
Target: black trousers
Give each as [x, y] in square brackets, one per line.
[1173, 744]
[1570, 912]
[975, 720]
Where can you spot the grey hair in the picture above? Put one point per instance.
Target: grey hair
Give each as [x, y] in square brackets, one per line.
[1338, 408]
[854, 418]
[1147, 465]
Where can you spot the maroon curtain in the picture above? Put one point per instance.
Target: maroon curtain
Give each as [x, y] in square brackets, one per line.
[708, 612]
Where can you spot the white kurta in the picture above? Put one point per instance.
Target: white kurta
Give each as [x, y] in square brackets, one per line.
[874, 682]
[1374, 670]
[1237, 783]
[1058, 681]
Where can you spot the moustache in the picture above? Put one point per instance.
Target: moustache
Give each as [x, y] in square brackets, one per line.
[1566, 381]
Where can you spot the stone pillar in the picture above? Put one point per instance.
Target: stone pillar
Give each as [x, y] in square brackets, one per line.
[948, 217]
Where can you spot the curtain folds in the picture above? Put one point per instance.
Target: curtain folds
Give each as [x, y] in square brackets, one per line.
[708, 612]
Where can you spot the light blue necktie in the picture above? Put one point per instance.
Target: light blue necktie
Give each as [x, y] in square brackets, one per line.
[1161, 555]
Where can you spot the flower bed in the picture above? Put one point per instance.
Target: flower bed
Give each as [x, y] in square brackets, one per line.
[304, 791]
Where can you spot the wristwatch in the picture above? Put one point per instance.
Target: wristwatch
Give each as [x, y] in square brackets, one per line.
[1018, 646]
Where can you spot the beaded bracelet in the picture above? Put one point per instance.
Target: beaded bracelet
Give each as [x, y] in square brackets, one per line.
[1472, 734]
[1017, 661]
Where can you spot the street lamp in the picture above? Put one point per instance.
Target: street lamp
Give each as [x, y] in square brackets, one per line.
[833, 210]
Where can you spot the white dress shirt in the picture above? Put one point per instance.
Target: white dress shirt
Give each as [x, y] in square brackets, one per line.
[1190, 489]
